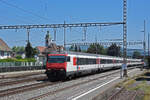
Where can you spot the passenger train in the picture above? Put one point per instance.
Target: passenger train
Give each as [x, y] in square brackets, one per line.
[70, 64]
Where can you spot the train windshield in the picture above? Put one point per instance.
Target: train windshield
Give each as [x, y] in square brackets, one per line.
[56, 59]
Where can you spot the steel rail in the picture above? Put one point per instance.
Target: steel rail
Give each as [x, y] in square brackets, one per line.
[22, 81]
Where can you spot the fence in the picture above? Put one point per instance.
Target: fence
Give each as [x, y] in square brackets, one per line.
[20, 66]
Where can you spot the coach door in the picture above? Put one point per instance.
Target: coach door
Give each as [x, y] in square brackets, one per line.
[98, 63]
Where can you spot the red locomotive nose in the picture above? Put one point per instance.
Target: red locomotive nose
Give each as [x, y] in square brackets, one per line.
[56, 65]
[56, 61]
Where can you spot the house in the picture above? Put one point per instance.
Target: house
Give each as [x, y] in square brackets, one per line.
[5, 51]
[41, 54]
[48, 48]
[43, 51]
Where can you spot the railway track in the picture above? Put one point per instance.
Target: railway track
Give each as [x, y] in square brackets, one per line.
[30, 87]
[68, 87]
[25, 88]
[123, 94]
[23, 81]
[21, 76]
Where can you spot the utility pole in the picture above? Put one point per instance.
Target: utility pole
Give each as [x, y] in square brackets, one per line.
[144, 43]
[84, 33]
[148, 46]
[55, 34]
[96, 43]
[28, 31]
[124, 37]
[64, 36]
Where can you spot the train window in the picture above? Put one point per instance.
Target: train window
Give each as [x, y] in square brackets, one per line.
[79, 62]
[85, 61]
[106, 61]
[68, 58]
[103, 61]
[119, 61]
[92, 61]
[56, 59]
[109, 61]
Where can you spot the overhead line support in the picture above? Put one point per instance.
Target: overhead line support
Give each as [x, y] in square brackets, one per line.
[59, 25]
[125, 36]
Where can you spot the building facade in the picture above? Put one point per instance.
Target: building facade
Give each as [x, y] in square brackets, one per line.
[5, 51]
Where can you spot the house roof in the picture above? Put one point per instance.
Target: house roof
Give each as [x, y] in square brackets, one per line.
[52, 47]
[4, 46]
[41, 49]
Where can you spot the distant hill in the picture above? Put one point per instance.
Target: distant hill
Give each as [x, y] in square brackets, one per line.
[130, 51]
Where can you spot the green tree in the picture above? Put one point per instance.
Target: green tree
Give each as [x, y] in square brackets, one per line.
[35, 52]
[22, 49]
[18, 49]
[71, 48]
[14, 49]
[75, 48]
[29, 51]
[96, 48]
[114, 50]
[136, 54]
[79, 50]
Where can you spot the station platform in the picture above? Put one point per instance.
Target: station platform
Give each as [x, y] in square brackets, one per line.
[20, 73]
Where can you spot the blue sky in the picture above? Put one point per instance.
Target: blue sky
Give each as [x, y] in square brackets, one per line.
[72, 11]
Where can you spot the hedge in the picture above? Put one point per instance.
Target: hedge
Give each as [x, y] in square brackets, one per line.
[18, 60]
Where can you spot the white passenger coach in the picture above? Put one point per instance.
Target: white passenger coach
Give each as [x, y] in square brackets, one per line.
[70, 64]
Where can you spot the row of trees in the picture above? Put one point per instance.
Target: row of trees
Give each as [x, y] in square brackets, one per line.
[112, 50]
[75, 48]
[28, 50]
[18, 49]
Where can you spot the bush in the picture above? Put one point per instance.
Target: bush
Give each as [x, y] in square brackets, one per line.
[7, 60]
[18, 57]
[18, 60]
[26, 60]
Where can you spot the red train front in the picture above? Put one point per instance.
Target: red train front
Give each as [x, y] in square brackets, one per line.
[56, 66]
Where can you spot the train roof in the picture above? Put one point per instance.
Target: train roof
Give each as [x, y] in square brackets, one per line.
[89, 54]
